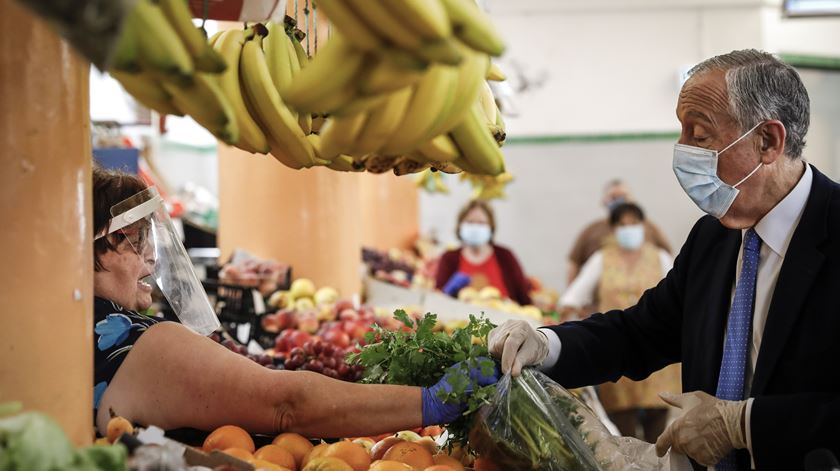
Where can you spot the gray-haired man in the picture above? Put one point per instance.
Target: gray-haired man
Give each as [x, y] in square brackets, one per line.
[751, 307]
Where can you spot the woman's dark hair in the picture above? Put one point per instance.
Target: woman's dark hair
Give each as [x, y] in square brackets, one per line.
[476, 204]
[109, 188]
[625, 208]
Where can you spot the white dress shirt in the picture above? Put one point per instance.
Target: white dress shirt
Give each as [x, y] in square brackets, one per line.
[582, 290]
[776, 230]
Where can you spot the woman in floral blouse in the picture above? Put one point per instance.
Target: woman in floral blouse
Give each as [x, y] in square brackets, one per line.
[163, 374]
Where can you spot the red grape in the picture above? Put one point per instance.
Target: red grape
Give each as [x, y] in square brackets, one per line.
[315, 365]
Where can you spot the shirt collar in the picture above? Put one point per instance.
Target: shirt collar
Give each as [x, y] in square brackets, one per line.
[776, 227]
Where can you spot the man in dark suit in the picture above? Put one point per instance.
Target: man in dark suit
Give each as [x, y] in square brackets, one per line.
[752, 305]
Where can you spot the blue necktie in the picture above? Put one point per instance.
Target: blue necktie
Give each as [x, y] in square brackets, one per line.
[738, 334]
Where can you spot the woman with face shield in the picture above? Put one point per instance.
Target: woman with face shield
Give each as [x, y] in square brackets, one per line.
[169, 374]
[480, 262]
[615, 277]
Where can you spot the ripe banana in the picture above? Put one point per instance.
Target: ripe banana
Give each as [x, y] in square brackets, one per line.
[383, 121]
[275, 119]
[478, 147]
[251, 137]
[298, 60]
[488, 103]
[440, 149]
[353, 28]
[385, 24]
[147, 90]
[428, 18]
[159, 47]
[125, 56]
[331, 72]
[345, 163]
[277, 55]
[472, 26]
[180, 18]
[338, 134]
[406, 166]
[470, 78]
[207, 104]
[303, 58]
[495, 74]
[387, 76]
[380, 163]
[430, 97]
[360, 104]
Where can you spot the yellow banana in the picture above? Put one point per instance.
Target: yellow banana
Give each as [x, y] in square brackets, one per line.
[478, 147]
[447, 167]
[470, 78]
[383, 122]
[207, 104]
[279, 153]
[345, 163]
[387, 76]
[430, 97]
[180, 18]
[214, 38]
[277, 55]
[472, 26]
[126, 52]
[159, 47]
[147, 90]
[304, 119]
[494, 73]
[331, 71]
[380, 163]
[407, 165]
[426, 17]
[360, 104]
[440, 149]
[302, 57]
[251, 137]
[275, 119]
[338, 134]
[357, 33]
[488, 103]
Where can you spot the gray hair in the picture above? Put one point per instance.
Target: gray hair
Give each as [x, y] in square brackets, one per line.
[762, 87]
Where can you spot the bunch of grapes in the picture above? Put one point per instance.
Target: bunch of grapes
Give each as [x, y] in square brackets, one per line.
[325, 358]
[264, 360]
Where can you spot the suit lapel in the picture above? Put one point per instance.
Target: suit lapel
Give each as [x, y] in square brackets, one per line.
[713, 323]
[800, 267]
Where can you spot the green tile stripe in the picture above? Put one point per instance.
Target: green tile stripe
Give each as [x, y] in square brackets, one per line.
[591, 138]
[804, 61]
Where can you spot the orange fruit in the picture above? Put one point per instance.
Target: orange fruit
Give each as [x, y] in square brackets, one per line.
[267, 466]
[431, 431]
[351, 453]
[327, 464]
[410, 453]
[243, 455]
[447, 460]
[438, 467]
[277, 455]
[364, 442]
[385, 465]
[295, 444]
[316, 452]
[483, 464]
[118, 426]
[229, 436]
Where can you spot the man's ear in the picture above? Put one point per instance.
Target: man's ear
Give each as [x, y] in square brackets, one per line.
[772, 145]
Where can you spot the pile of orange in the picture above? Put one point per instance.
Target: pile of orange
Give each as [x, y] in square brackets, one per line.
[293, 452]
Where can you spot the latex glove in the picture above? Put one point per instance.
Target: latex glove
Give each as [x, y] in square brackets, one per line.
[517, 344]
[436, 411]
[708, 429]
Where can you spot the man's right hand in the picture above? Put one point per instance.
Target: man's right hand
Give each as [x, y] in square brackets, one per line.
[517, 344]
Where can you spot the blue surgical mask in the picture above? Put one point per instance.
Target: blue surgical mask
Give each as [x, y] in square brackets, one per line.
[475, 235]
[696, 170]
[615, 202]
[630, 237]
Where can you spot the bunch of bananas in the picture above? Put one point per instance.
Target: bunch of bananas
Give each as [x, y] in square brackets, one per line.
[486, 187]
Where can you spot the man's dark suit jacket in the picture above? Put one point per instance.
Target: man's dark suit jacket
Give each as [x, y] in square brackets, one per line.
[796, 384]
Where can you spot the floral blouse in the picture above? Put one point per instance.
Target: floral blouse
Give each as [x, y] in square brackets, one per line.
[116, 329]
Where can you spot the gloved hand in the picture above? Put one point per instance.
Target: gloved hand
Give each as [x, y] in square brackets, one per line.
[436, 411]
[708, 429]
[517, 344]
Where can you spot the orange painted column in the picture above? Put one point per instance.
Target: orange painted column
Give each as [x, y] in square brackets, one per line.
[390, 211]
[46, 323]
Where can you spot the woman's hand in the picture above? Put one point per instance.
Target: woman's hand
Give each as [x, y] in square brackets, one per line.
[436, 411]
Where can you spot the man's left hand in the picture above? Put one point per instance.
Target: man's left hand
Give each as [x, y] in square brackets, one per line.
[708, 429]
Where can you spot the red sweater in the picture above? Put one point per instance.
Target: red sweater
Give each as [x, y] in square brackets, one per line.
[515, 281]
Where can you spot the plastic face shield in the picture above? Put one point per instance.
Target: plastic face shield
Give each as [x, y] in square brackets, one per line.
[143, 220]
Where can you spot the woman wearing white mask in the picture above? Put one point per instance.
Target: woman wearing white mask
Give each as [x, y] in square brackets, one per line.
[480, 260]
[616, 276]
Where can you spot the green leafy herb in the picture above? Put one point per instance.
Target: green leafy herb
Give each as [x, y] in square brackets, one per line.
[420, 356]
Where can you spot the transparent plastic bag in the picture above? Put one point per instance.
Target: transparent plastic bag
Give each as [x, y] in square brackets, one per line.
[534, 423]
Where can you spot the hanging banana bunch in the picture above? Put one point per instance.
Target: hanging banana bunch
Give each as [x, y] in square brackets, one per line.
[486, 187]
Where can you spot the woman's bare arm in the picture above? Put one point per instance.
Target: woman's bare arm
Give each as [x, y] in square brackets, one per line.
[175, 378]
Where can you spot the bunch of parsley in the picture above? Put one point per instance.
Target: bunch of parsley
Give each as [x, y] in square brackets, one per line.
[421, 357]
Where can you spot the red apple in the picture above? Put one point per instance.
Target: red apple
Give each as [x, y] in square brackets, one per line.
[308, 324]
[298, 338]
[348, 315]
[286, 319]
[343, 304]
[337, 338]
